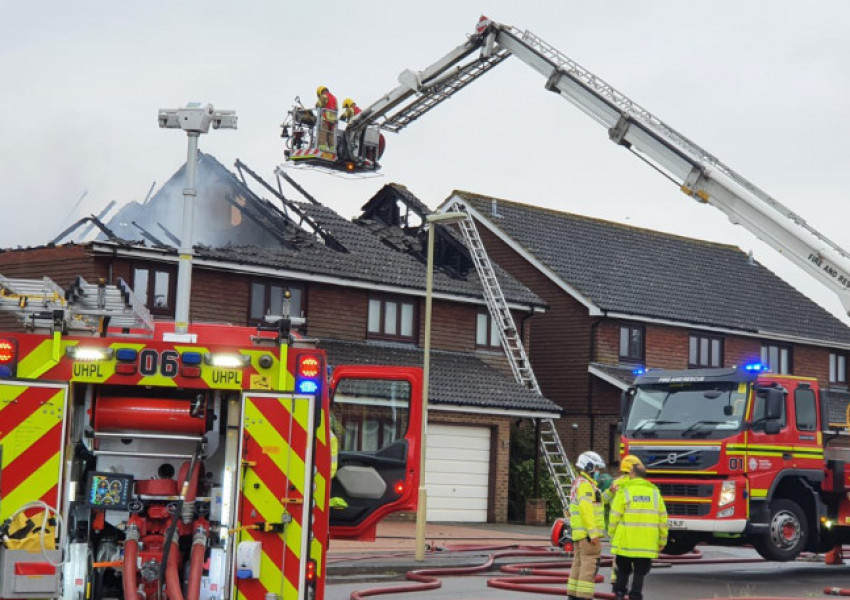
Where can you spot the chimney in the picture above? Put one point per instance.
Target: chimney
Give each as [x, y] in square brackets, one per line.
[494, 208]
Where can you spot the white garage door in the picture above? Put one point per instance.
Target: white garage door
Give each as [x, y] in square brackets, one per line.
[457, 471]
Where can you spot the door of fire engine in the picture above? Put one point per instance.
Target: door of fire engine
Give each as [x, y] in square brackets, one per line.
[768, 439]
[376, 417]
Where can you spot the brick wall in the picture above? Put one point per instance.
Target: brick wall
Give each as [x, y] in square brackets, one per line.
[559, 345]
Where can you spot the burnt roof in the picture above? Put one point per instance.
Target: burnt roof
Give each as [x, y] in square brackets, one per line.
[645, 273]
[457, 378]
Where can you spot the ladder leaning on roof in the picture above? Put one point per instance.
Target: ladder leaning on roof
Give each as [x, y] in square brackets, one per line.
[560, 468]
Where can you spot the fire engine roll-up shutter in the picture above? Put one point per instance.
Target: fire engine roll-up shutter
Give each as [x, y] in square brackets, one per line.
[31, 433]
[457, 473]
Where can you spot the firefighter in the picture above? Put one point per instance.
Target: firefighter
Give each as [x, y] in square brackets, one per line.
[326, 107]
[608, 494]
[638, 531]
[351, 110]
[587, 524]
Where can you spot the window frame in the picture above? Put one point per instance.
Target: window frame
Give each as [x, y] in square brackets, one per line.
[835, 368]
[780, 348]
[150, 290]
[494, 338]
[399, 302]
[710, 338]
[629, 358]
[268, 284]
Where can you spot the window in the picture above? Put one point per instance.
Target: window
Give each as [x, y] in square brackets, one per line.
[156, 287]
[758, 418]
[370, 414]
[837, 368]
[631, 344]
[777, 358]
[705, 351]
[268, 299]
[805, 409]
[389, 318]
[486, 332]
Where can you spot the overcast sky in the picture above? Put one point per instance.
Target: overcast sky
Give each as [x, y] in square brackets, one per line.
[763, 85]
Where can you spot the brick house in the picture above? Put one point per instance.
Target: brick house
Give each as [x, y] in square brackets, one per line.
[621, 297]
[359, 284]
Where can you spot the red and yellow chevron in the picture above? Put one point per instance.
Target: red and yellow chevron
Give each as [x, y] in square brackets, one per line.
[276, 480]
[31, 434]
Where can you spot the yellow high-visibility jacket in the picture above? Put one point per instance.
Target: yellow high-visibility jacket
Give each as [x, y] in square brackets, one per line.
[586, 516]
[638, 520]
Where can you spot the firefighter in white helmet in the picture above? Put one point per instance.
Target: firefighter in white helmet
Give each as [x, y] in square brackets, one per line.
[587, 524]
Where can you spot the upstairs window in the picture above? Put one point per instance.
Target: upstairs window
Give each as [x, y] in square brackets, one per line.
[632, 344]
[157, 288]
[838, 368]
[777, 358]
[391, 318]
[705, 351]
[486, 332]
[268, 299]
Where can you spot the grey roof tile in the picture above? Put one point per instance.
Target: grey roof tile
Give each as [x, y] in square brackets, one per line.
[457, 378]
[646, 273]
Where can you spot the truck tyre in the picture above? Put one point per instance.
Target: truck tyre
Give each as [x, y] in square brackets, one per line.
[787, 534]
[679, 544]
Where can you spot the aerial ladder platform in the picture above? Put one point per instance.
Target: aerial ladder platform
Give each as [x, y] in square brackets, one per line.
[696, 172]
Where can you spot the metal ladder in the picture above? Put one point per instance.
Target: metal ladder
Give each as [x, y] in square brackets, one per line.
[41, 305]
[441, 90]
[559, 466]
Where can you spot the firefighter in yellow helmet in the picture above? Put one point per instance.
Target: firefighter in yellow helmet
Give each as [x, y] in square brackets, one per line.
[326, 107]
[587, 524]
[626, 464]
[351, 110]
[638, 531]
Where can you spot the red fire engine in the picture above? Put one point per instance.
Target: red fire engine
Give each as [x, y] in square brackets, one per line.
[198, 464]
[743, 456]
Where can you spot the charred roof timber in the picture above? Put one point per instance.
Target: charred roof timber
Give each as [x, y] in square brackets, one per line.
[303, 219]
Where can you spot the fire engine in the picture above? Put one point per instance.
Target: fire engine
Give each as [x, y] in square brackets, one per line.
[740, 455]
[139, 461]
[744, 455]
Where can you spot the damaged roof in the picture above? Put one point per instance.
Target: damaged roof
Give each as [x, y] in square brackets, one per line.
[457, 378]
[645, 273]
[236, 224]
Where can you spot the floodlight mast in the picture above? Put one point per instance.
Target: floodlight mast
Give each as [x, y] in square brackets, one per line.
[194, 119]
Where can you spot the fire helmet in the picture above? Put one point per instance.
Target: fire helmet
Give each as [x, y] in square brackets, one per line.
[347, 102]
[590, 462]
[629, 461]
[321, 89]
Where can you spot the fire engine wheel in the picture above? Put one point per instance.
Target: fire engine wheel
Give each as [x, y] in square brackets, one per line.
[679, 543]
[787, 533]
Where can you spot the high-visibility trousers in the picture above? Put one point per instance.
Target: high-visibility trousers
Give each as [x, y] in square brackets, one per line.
[583, 572]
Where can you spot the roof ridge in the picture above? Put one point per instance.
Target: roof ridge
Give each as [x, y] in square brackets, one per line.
[598, 220]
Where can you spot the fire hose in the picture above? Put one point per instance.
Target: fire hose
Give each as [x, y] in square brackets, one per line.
[532, 577]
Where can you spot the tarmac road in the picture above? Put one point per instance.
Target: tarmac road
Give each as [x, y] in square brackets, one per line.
[356, 566]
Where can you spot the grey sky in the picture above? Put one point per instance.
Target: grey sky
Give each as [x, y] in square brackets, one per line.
[763, 85]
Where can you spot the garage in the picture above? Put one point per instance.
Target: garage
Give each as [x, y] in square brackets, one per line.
[457, 473]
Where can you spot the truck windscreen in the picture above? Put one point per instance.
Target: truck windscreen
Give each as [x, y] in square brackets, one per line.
[687, 410]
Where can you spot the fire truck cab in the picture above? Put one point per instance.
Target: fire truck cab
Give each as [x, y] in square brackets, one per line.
[195, 464]
[743, 456]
